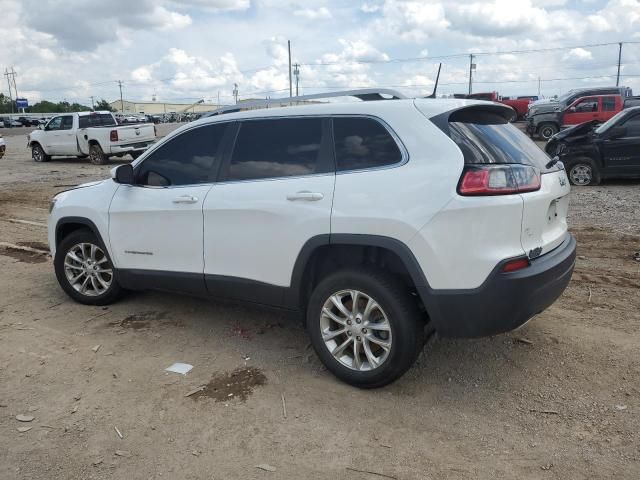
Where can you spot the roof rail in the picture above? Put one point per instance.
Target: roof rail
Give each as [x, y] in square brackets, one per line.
[364, 94]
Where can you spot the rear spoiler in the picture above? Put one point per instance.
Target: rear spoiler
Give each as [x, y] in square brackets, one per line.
[475, 113]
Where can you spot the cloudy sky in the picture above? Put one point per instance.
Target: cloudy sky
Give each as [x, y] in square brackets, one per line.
[184, 50]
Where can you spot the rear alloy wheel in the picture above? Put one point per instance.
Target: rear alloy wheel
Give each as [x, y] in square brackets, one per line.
[38, 154]
[84, 269]
[547, 130]
[365, 327]
[96, 155]
[583, 172]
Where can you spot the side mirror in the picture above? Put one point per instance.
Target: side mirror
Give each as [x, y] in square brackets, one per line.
[572, 109]
[123, 174]
[617, 132]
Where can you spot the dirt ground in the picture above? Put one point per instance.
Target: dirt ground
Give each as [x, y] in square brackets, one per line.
[558, 399]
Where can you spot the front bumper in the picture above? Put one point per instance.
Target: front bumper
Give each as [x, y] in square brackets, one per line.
[505, 301]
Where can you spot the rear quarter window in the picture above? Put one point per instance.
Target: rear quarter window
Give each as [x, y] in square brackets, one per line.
[487, 137]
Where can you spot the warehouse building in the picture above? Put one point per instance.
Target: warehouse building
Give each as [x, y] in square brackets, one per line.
[157, 108]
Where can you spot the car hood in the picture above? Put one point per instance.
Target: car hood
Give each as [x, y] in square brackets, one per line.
[576, 131]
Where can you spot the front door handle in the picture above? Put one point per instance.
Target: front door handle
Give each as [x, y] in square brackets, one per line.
[185, 199]
[305, 195]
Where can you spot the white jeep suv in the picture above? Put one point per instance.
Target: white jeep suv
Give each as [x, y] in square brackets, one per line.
[381, 221]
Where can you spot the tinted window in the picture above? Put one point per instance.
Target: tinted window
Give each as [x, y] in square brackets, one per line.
[633, 127]
[276, 148]
[587, 105]
[96, 120]
[54, 124]
[485, 137]
[67, 122]
[608, 104]
[363, 143]
[184, 160]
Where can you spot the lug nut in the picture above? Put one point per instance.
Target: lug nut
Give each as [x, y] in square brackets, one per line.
[358, 320]
[349, 333]
[348, 322]
[364, 330]
[358, 338]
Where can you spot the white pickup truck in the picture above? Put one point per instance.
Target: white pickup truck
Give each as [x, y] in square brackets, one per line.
[96, 135]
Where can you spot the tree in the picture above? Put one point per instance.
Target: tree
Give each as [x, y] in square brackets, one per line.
[104, 105]
[5, 104]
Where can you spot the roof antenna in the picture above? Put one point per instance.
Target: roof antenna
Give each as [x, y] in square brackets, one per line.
[435, 87]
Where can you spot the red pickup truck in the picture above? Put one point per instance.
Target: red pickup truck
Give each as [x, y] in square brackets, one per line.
[519, 104]
[593, 107]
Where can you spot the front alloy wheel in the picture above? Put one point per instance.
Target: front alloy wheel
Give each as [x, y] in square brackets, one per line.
[355, 330]
[87, 269]
[84, 269]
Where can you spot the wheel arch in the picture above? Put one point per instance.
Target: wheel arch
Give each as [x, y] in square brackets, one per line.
[324, 253]
[68, 225]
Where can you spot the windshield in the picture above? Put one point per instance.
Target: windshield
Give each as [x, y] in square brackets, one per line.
[609, 123]
[563, 98]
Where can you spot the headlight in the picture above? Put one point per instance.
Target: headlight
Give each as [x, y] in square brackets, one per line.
[532, 111]
[52, 204]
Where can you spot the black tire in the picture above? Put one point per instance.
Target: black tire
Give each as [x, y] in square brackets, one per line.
[96, 155]
[38, 154]
[582, 171]
[401, 310]
[135, 155]
[92, 297]
[547, 130]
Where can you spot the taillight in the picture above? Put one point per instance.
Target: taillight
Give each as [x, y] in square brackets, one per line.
[113, 136]
[516, 264]
[498, 179]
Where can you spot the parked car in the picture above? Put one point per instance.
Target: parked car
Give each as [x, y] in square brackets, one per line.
[93, 134]
[9, 122]
[28, 121]
[379, 221]
[591, 153]
[3, 146]
[544, 117]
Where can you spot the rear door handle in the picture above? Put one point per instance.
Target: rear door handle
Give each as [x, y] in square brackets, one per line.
[305, 195]
[185, 199]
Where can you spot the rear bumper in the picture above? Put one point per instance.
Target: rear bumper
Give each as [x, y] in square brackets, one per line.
[505, 301]
[134, 147]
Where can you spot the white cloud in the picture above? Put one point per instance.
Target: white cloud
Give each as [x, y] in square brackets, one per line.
[214, 5]
[578, 54]
[321, 13]
[370, 7]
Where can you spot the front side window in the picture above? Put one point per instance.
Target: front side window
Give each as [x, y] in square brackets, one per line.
[586, 105]
[363, 143]
[633, 126]
[54, 124]
[186, 159]
[276, 148]
[67, 123]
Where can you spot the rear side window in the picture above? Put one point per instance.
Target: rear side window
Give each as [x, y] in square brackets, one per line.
[486, 137]
[608, 104]
[96, 120]
[363, 143]
[276, 148]
[186, 159]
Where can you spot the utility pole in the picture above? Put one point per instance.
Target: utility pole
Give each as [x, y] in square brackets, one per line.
[619, 60]
[92, 104]
[218, 104]
[121, 102]
[235, 92]
[472, 67]
[539, 81]
[290, 82]
[11, 81]
[296, 72]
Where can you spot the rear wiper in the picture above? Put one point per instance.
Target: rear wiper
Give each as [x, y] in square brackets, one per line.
[552, 162]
